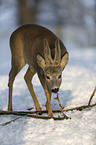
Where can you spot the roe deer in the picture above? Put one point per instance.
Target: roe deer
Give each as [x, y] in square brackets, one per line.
[44, 53]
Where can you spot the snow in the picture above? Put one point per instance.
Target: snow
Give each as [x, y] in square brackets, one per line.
[79, 80]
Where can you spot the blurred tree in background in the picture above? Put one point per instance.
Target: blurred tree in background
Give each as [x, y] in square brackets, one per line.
[77, 18]
[27, 11]
[73, 21]
[60, 12]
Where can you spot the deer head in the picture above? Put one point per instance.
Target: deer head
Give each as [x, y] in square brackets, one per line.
[52, 67]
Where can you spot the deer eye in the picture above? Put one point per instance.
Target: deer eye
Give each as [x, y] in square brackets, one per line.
[59, 77]
[48, 77]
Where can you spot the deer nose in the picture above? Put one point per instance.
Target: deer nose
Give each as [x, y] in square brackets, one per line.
[55, 90]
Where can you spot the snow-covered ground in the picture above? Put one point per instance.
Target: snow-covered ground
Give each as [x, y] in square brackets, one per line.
[79, 80]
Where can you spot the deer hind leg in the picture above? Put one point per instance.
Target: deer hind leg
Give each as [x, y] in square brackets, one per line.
[14, 71]
[48, 95]
[28, 77]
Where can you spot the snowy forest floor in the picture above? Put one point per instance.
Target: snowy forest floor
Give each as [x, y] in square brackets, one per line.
[79, 81]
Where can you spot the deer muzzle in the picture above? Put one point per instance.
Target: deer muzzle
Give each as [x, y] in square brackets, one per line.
[55, 90]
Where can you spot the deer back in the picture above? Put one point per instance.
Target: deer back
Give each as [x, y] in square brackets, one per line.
[29, 41]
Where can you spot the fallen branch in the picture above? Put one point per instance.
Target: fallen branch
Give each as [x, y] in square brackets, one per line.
[35, 114]
[6, 123]
[23, 113]
[45, 117]
[80, 108]
[65, 116]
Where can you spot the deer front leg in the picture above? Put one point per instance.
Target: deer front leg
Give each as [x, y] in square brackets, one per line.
[28, 77]
[48, 103]
[48, 95]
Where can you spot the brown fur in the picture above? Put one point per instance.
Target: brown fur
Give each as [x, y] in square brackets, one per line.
[27, 45]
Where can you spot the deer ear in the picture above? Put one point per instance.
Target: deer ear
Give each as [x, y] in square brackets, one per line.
[41, 61]
[64, 60]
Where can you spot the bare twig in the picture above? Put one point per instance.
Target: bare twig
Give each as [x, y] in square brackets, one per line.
[45, 117]
[9, 122]
[66, 117]
[80, 108]
[33, 114]
[91, 97]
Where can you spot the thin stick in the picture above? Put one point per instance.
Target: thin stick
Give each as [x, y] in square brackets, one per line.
[91, 97]
[45, 117]
[6, 123]
[61, 107]
[30, 114]
[80, 108]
